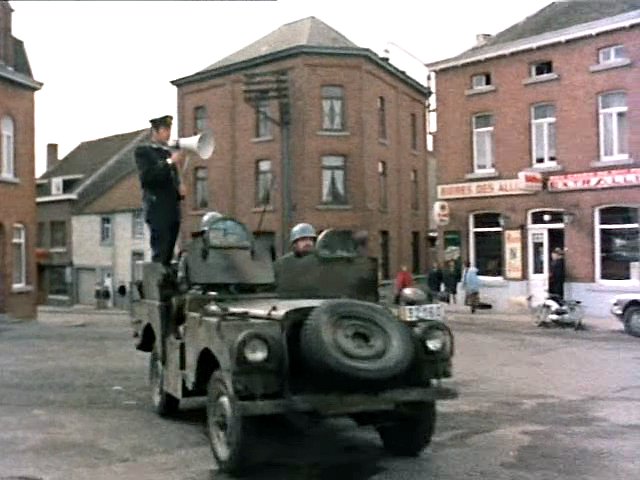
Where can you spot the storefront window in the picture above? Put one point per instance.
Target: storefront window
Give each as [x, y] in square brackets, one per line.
[619, 241]
[486, 243]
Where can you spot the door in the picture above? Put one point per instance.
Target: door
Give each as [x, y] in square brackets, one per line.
[86, 286]
[541, 242]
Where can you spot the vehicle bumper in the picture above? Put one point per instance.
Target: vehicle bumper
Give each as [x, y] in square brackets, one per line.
[341, 404]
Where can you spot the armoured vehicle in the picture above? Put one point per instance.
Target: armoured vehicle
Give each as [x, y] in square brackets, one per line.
[316, 341]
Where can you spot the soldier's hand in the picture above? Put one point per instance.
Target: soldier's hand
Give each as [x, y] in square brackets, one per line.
[178, 157]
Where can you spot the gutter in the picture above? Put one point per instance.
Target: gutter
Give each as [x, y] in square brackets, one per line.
[293, 51]
[597, 27]
[10, 74]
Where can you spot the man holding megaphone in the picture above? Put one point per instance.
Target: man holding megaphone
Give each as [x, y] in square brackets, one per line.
[159, 171]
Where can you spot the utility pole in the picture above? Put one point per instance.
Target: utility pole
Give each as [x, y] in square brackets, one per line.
[260, 87]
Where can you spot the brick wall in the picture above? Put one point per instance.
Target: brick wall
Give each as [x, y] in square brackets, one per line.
[18, 201]
[232, 166]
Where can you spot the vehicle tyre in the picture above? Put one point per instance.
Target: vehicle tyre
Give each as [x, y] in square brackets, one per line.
[356, 339]
[226, 428]
[632, 320]
[163, 403]
[406, 434]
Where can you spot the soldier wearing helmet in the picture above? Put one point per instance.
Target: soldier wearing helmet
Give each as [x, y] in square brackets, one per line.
[302, 241]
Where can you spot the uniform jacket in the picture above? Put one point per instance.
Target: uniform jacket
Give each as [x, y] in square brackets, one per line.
[160, 185]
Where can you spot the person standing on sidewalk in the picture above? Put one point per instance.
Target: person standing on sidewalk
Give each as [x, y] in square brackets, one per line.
[556, 273]
[471, 285]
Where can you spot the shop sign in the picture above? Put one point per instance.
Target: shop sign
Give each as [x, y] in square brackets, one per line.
[526, 183]
[628, 177]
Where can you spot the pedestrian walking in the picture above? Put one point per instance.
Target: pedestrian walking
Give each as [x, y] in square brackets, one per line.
[450, 279]
[471, 285]
[434, 282]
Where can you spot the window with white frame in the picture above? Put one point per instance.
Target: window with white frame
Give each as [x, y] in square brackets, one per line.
[263, 123]
[200, 119]
[19, 246]
[481, 80]
[543, 134]
[264, 178]
[137, 224]
[333, 108]
[333, 180]
[617, 241]
[613, 126]
[539, 69]
[106, 230]
[612, 54]
[486, 243]
[483, 150]
[8, 148]
[201, 187]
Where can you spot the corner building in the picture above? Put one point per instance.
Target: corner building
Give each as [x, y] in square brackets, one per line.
[327, 133]
[538, 146]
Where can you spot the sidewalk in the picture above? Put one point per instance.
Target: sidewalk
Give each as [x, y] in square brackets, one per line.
[463, 313]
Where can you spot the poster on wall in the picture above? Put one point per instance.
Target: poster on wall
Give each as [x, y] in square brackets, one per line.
[513, 254]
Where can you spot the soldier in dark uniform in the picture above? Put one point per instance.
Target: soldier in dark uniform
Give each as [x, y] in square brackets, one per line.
[302, 240]
[158, 169]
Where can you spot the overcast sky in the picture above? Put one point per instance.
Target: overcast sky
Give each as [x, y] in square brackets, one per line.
[106, 66]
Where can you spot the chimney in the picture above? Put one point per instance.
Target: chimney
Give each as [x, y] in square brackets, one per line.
[6, 39]
[52, 155]
[482, 38]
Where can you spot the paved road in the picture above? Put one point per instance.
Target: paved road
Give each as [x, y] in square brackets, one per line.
[535, 405]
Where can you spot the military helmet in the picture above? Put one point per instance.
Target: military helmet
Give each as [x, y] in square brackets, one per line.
[302, 230]
[208, 218]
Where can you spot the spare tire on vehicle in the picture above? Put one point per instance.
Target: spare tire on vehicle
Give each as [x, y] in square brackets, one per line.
[357, 340]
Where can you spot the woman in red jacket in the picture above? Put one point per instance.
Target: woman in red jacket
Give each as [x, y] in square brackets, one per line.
[404, 279]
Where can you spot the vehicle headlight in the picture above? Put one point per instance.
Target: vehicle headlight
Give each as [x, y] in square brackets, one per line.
[435, 340]
[256, 350]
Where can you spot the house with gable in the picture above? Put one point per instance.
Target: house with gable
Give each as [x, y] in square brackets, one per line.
[310, 127]
[18, 276]
[538, 145]
[90, 222]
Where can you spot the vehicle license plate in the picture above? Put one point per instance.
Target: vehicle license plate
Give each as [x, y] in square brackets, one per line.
[411, 313]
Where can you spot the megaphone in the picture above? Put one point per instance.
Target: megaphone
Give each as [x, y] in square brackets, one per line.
[203, 144]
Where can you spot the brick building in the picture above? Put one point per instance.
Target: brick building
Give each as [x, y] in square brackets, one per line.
[90, 222]
[353, 155]
[17, 164]
[538, 146]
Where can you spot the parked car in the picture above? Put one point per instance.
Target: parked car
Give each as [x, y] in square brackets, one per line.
[626, 307]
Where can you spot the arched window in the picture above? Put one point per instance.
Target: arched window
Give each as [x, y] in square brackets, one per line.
[8, 147]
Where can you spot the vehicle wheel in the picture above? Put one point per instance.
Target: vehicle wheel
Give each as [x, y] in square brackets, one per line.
[356, 339]
[408, 433]
[226, 428]
[163, 403]
[632, 321]
[542, 315]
